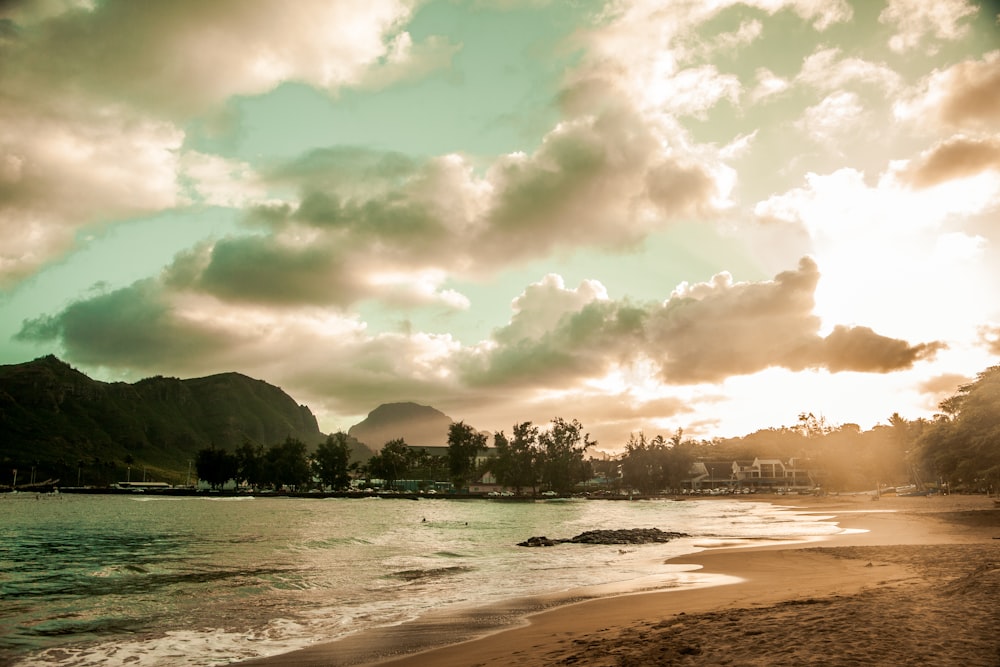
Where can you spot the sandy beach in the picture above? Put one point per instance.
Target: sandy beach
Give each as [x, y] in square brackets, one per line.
[915, 581]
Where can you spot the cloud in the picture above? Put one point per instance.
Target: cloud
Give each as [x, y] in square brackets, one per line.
[64, 167]
[655, 53]
[186, 57]
[372, 225]
[606, 179]
[543, 304]
[822, 13]
[942, 387]
[263, 270]
[561, 346]
[693, 91]
[861, 349]
[768, 85]
[917, 20]
[714, 330]
[555, 337]
[217, 181]
[965, 95]
[842, 207]
[827, 70]
[26, 12]
[956, 158]
[884, 244]
[989, 336]
[836, 115]
[95, 97]
[748, 32]
[133, 327]
[148, 328]
[703, 333]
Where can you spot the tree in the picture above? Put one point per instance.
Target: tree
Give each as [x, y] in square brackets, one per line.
[812, 426]
[464, 446]
[677, 466]
[962, 446]
[657, 465]
[286, 464]
[250, 464]
[128, 460]
[642, 464]
[392, 462]
[215, 466]
[516, 464]
[563, 447]
[425, 467]
[332, 460]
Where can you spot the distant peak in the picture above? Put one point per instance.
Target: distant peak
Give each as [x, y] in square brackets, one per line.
[406, 408]
[52, 359]
[415, 423]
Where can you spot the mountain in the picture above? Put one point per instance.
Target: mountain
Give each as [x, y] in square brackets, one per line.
[419, 425]
[70, 426]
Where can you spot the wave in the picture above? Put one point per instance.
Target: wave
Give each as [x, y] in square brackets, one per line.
[432, 573]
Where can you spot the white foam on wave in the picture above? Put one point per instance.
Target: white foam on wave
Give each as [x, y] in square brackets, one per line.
[192, 648]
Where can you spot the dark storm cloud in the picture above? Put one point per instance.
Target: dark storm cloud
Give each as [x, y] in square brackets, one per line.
[263, 270]
[391, 220]
[345, 165]
[130, 327]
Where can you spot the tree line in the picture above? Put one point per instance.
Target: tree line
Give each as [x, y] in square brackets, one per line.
[958, 448]
[285, 465]
[533, 458]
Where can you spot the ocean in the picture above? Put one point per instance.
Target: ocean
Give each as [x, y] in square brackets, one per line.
[152, 580]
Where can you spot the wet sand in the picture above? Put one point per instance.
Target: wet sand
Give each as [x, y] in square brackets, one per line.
[919, 585]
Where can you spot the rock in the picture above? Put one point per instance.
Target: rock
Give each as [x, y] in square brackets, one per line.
[624, 536]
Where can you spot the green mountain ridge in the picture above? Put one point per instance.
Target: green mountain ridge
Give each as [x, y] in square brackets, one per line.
[69, 426]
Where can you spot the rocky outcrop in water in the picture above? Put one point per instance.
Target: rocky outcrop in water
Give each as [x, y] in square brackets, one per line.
[538, 542]
[621, 536]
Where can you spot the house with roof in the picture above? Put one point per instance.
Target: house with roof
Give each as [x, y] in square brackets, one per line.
[760, 473]
[710, 475]
[773, 474]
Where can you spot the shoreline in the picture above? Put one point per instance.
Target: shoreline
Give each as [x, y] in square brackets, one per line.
[887, 551]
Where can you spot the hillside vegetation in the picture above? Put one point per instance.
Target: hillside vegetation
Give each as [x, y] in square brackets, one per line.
[69, 426]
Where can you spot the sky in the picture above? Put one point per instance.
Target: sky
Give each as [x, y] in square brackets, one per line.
[645, 215]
